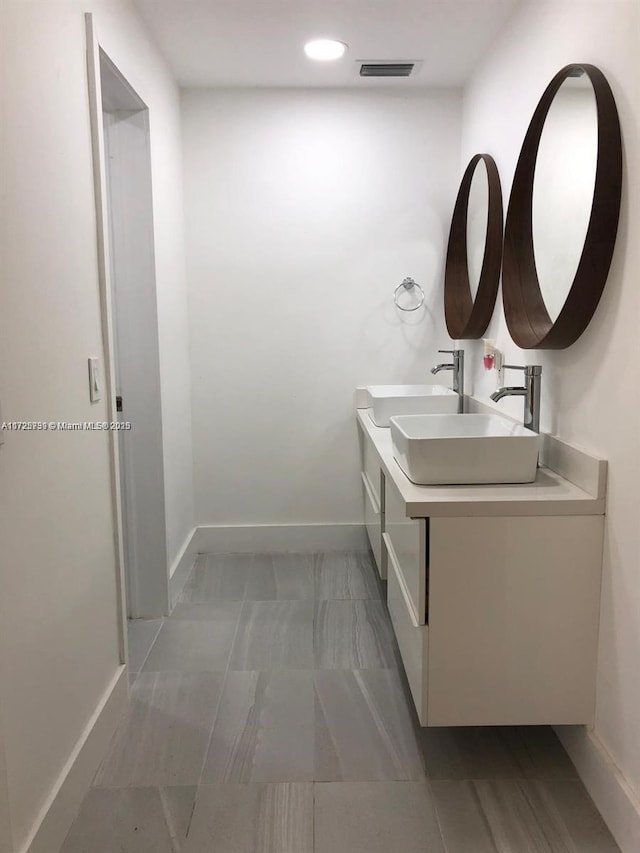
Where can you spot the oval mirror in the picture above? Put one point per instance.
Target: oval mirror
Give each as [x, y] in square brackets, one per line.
[563, 211]
[474, 251]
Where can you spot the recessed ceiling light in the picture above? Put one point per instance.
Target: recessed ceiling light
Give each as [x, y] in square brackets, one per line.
[325, 49]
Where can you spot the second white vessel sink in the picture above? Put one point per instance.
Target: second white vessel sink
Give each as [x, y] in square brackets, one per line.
[460, 449]
[388, 400]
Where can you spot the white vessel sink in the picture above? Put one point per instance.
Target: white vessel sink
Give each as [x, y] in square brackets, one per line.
[388, 400]
[459, 449]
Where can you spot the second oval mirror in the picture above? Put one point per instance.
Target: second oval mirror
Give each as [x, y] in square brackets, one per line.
[563, 211]
[563, 182]
[474, 252]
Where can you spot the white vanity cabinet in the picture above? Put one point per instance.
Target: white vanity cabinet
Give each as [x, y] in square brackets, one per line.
[494, 596]
[496, 617]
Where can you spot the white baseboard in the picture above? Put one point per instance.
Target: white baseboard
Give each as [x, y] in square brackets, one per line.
[616, 801]
[181, 568]
[59, 811]
[274, 538]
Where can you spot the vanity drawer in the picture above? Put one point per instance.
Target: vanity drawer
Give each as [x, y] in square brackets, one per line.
[373, 523]
[407, 542]
[371, 467]
[412, 638]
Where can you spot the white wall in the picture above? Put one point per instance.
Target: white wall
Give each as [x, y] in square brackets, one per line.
[304, 210]
[591, 392]
[58, 610]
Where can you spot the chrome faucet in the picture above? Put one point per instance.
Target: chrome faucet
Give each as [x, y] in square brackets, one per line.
[458, 373]
[530, 391]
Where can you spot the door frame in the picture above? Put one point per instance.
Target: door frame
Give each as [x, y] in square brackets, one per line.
[95, 53]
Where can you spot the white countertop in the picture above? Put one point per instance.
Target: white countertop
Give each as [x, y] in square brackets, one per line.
[550, 494]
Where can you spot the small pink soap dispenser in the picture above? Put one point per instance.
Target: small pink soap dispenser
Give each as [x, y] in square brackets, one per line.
[492, 357]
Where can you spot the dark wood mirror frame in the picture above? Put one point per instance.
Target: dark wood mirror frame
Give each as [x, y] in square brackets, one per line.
[467, 318]
[524, 307]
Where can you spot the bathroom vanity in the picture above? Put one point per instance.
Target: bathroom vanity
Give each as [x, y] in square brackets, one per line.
[493, 590]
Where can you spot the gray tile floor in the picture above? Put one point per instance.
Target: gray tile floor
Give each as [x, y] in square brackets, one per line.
[269, 714]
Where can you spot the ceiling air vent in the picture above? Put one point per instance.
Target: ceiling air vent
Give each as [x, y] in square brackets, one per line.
[386, 69]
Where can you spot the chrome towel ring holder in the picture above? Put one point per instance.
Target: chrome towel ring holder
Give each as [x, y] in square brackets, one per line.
[408, 284]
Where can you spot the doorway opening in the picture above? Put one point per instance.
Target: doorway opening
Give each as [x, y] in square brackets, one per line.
[122, 165]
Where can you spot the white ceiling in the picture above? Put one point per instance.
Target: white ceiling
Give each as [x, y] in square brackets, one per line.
[260, 42]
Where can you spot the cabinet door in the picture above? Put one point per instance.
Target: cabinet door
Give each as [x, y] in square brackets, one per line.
[371, 467]
[412, 638]
[407, 540]
[513, 620]
[373, 523]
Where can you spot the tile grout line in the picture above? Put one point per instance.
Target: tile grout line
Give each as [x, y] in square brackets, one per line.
[445, 846]
[186, 583]
[162, 620]
[222, 686]
[153, 642]
[313, 817]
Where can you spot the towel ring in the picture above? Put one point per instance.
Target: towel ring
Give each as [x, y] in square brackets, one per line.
[408, 284]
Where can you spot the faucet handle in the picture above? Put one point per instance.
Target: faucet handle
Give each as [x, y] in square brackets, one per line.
[529, 369]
